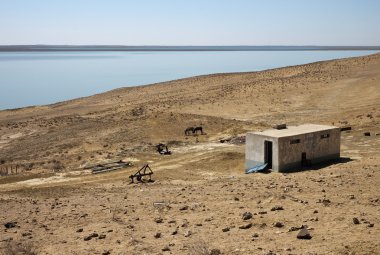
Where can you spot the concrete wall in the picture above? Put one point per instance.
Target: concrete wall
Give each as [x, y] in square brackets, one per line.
[287, 156]
[254, 150]
[317, 149]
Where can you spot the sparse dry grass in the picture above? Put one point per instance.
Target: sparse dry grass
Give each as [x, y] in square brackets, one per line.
[17, 248]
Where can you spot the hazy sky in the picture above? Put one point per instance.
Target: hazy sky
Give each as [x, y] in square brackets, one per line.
[190, 22]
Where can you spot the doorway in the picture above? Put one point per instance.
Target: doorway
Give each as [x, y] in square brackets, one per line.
[304, 161]
[268, 153]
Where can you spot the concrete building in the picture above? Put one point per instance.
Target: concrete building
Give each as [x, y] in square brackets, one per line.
[291, 147]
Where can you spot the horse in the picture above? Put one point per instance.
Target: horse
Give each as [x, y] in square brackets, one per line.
[196, 129]
[189, 130]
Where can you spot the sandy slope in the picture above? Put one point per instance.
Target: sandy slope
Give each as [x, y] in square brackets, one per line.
[56, 197]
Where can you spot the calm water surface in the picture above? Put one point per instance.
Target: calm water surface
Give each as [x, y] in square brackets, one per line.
[37, 78]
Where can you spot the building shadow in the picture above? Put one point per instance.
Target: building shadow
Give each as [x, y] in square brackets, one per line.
[319, 166]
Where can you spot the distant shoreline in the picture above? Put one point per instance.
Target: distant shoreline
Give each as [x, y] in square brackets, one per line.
[52, 48]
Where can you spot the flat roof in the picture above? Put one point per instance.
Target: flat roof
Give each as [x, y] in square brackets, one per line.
[294, 130]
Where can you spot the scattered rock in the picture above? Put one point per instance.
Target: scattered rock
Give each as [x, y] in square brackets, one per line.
[83, 215]
[157, 235]
[262, 225]
[79, 230]
[356, 221]
[255, 235]
[215, 252]
[246, 226]
[102, 236]
[158, 220]
[367, 133]
[296, 228]
[184, 208]
[304, 234]
[278, 224]
[166, 248]
[89, 237]
[226, 229]
[188, 233]
[371, 225]
[9, 225]
[106, 253]
[247, 216]
[277, 208]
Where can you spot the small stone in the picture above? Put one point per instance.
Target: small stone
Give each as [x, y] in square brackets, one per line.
[157, 235]
[247, 216]
[106, 253]
[87, 238]
[304, 234]
[356, 221]
[255, 235]
[166, 248]
[80, 230]
[236, 199]
[188, 233]
[215, 252]
[296, 228]
[9, 225]
[246, 226]
[226, 229]
[175, 232]
[277, 208]
[102, 236]
[371, 225]
[278, 224]
[184, 208]
[158, 220]
[262, 225]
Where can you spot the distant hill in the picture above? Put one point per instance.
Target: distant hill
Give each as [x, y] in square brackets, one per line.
[5, 48]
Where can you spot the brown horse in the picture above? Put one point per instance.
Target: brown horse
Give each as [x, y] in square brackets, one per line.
[189, 130]
[196, 129]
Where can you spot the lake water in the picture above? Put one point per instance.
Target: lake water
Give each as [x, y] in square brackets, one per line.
[37, 78]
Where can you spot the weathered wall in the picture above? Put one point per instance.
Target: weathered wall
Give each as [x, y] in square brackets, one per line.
[254, 150]
[316, 148]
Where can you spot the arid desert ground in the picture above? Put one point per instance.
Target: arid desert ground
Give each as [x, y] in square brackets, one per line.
[55, 205]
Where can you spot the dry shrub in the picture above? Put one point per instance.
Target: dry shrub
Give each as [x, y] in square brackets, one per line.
[138, 111]
[15, 248]
[57, 165]
[199, 248]
[202, 248]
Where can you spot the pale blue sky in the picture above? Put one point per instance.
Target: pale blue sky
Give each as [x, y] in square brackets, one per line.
[190, 22]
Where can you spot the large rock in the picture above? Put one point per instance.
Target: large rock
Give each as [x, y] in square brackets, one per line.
[247, 216]
[246, 226]
[304, 234]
